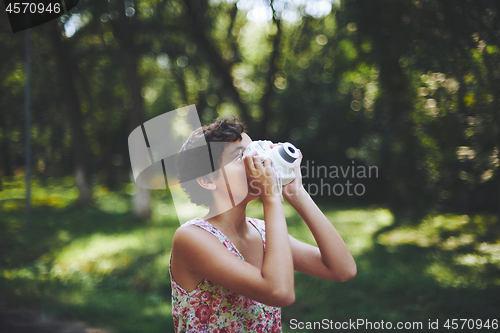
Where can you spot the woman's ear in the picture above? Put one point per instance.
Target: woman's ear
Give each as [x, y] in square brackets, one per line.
[206, 182]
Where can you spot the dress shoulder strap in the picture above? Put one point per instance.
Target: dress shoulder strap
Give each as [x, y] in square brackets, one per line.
[208, 227]
[260, 225]
[204, 224]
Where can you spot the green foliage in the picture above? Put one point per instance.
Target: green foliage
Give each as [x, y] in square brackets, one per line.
[419, 78]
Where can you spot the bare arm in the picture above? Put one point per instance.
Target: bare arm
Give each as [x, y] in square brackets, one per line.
[331, 260]
[278, 261]
[204, 255]
[277, 267]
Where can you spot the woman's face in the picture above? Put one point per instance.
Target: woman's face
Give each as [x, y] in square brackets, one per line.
[232, 176]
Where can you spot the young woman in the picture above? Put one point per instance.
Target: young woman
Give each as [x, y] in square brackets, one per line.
[232, 273]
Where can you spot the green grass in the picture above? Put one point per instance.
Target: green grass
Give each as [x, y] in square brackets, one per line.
[447, 267]
[103, 265]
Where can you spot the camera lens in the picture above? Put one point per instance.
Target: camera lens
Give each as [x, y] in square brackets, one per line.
[288, 152]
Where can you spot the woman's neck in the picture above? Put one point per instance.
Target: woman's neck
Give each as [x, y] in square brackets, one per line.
[230, 221]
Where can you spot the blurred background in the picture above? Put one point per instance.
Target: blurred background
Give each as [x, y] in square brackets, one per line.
[410, 87]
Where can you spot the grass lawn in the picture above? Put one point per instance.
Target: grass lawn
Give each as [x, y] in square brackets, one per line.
[104, 266]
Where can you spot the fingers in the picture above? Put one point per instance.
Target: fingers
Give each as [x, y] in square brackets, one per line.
[249, 161]
[267, 166]
[249, 153]
[257, 165]
[257, 160]
[262, 165]
[254, 162]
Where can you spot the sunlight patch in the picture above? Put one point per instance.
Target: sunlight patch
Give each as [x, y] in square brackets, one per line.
[101, 254]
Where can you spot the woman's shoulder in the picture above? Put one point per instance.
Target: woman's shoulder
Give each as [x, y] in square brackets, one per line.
[198, 222]
[192, 238]
[193, 229]
[194, 221]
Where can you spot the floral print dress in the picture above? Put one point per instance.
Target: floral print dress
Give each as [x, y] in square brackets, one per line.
[213, 308]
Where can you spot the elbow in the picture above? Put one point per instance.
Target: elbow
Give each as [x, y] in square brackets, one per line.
[289, 299]
[283, 298]
[346, 275]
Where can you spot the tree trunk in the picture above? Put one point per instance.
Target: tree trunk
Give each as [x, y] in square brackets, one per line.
[65, 72]
[398, 162]
[110, 170]
[262, 132]
[5, 160]
[124, 33]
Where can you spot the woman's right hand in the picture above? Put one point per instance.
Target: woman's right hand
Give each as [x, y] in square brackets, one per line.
[261, 176]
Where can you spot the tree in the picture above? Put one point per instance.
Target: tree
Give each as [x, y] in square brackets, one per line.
[65, 71]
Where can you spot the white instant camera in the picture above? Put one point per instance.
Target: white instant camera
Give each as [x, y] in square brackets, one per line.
[283, 158]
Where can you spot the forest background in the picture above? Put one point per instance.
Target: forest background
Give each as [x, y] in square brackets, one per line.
[410, 87]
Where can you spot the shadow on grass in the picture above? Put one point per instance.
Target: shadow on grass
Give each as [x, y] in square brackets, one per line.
[401, 283]
[54, 228]
[111, 270]
[111, 306]
[134, 297]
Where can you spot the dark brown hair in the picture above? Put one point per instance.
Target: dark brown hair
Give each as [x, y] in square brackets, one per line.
[228, 130]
